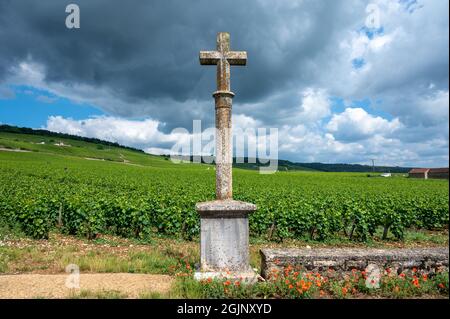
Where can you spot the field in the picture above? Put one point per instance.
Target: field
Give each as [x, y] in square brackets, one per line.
[136, 195]
[114, 210]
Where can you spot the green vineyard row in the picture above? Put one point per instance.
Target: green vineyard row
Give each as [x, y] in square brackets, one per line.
[41, 193]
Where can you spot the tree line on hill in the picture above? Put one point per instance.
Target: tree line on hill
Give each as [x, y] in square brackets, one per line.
[285, 165]
[41, 132]
[244, 163]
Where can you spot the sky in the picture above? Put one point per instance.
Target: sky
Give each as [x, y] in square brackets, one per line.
[343, 81]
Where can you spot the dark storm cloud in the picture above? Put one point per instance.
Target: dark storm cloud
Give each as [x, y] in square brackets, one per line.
[139, 59]
[148, 51]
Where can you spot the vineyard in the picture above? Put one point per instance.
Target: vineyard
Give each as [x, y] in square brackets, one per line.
[42, 192]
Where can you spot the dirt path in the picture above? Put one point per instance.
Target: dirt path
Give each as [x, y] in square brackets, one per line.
[13, 150]
[54, 286]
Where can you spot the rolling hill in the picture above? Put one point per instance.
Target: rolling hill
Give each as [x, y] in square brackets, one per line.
[27, 139]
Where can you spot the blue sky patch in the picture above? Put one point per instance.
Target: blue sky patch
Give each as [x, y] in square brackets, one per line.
[31, 108]
[358, 63]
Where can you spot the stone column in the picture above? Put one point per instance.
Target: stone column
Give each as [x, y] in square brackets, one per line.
[224, 148]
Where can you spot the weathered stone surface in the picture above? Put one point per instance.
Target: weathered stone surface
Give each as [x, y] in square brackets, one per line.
[223, 58]
[224, 235]
[224, 222]
[224, 244]
[224, 149]
[345, 259]
[228, 208]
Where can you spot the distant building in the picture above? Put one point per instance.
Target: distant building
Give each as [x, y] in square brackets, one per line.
[419, 173]
[386, 175]
[441, 173]
[435, 173]
[61, 144]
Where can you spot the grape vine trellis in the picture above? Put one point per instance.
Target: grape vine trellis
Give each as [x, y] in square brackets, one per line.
[86, 199]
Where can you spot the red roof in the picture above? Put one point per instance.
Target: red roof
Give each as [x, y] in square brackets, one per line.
[439, 170]
[418, 170]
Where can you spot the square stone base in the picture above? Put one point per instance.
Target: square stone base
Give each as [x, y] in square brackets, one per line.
[224, 244]
[224, 236]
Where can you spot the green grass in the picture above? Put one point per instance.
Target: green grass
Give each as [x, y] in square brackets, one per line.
[124, 256]
[104, 294]
[79, 149]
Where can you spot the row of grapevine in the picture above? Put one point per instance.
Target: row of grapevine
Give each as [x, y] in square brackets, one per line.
[86, 199]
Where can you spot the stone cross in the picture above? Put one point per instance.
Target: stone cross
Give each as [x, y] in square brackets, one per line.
[224, 222]
[223, 58]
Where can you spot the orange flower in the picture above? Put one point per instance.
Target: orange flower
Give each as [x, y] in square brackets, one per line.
[306, 286]
[402, 275]
[290, 286]
[188, 266]
[209, 280]
[414, 269]
[237, 283]
[388, 270]
[344, 291]
[441, 285]
[424, 277]
[227, 283]
[287, 281]
[318, 283]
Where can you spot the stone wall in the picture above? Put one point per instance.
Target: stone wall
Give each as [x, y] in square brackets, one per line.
[426, 260]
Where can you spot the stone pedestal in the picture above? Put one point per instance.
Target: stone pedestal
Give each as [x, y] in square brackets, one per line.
[224, 239]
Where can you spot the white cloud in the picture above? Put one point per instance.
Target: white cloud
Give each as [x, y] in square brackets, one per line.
[122, 131]
[356, 124]
[433, 109]
[315, 105]
[158, 151]
[405, 68]
[243, 121]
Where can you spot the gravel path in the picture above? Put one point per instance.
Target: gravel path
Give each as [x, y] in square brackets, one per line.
[54, 286]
